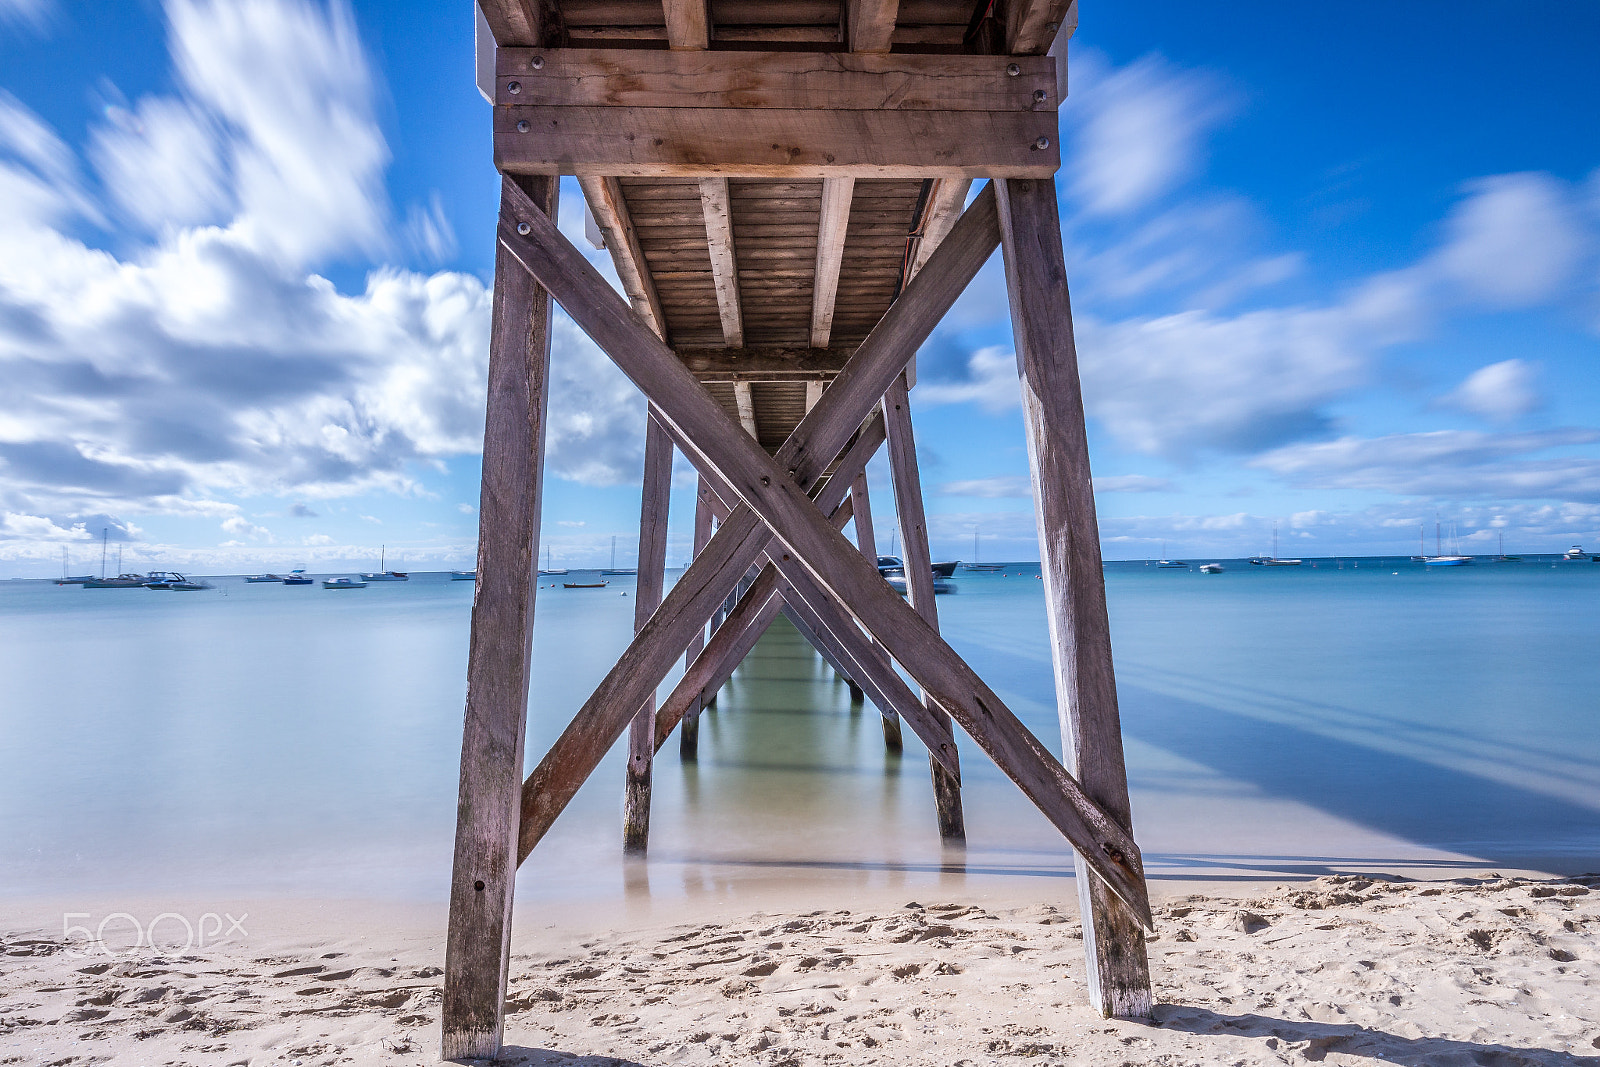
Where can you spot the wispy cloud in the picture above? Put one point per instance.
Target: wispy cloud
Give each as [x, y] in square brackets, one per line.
[1500, 392]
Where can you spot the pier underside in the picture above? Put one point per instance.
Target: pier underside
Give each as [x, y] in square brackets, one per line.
[793, 195]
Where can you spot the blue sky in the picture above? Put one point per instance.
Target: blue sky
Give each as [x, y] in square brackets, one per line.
[1334, 269]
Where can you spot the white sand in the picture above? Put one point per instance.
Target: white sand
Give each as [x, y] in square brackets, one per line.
[1344, 970]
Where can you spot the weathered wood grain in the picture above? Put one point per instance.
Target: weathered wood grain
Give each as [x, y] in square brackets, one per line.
[866, 540]
[744, 399]
[944, 207]
[777, 493]
[517, 23]
[906, 477]
[688, 24]
[724, 262]
[838, 81]
[1074, 583]
[774, 142]
[835, 218]
[500, 654]
[871, 24]
[1031, 25]
[610, 211]
[654, 503]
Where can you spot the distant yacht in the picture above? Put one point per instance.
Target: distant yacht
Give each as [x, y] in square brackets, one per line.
[121, 581]
[298, 577]
[67, 579]
[989, 568]
[174, 581]
[466, 576]
[1575, 554]
[1273, 560]
[253, 578]
[547, 568]
[383, 575]
[1439, 557]
[614, 569]
[1502, 557]
[342, 583]
[1170, 564]
[1211, 568]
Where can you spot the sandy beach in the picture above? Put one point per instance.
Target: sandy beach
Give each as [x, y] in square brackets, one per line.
[1342, 969]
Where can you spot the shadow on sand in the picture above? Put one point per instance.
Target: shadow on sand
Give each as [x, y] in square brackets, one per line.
[521, 1056]
[1314, 1041]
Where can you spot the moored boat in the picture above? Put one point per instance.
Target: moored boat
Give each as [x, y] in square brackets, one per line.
[121, 581]
[584, 585]
[342, 583]
[174, 581]
[1576, 554]
[466, 576]
[255, 578]
[298, 577]
[1211, 568]
[382, 575]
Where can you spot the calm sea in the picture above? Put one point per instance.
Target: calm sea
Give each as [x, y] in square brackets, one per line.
[266, 739]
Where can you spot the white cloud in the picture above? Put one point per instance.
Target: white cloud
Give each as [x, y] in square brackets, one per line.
[1500, 392]
[596, 428]
[1139, 131]
[162, 163]
[990, 488]
[239, 526]
[990, 381]
[317, 539]
[27, 13]
[1458, 464]
[1131, 483]
[1515, 241]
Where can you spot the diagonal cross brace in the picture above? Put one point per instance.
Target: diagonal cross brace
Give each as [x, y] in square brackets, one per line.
[774, 495]
[709, 579]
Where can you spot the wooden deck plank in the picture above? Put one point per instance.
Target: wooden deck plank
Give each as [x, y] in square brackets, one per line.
[630, 77]
[776, 142]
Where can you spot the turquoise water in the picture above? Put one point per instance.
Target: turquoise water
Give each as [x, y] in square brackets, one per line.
[1279, 722]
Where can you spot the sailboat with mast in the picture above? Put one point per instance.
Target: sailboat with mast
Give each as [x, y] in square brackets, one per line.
[614, 569]
[385, 575]
[548, 569]
[67, 579]
[1273, 560]
[988, 568]
[1439, 557]
[121, 581]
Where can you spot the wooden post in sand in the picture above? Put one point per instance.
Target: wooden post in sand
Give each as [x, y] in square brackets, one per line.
[689, 736]
[1074, 581]
[647, 597]
[866, 540]
[919, 577]
[478, 948]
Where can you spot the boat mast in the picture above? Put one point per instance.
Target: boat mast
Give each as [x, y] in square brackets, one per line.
[104, 533]
[383, 555]
[613, 551]
[1438, 546]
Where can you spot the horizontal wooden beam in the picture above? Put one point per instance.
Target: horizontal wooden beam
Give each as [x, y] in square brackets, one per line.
[630, 77]
[764, 364]
[775, 142]
[517, 22]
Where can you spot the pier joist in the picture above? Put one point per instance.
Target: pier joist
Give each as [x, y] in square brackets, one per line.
[784, 192]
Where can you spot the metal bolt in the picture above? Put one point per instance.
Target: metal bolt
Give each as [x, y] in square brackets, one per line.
[1042, 143]
[514, 88]
[522, 126]
[1013, 70]
[524, 229]
[1039, 95]
[537, 62]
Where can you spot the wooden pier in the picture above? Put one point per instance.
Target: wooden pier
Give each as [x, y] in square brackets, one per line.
[787, 191]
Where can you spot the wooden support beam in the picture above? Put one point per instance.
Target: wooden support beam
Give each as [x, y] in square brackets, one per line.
[918, 568]
[774, 494]
[868, 543]
[945, 201]
[718, 211]
[500, 655]
[729, 645]
[519, 23]
[766, 364]
[1031, 25]
[688, 24]
[682, 142]
[689, 739]
[835, 219]
[654, 502]
[1074, 583]
[814, 393]
[744, 401]
[871, 24]
[610, 211]
[828, 81]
